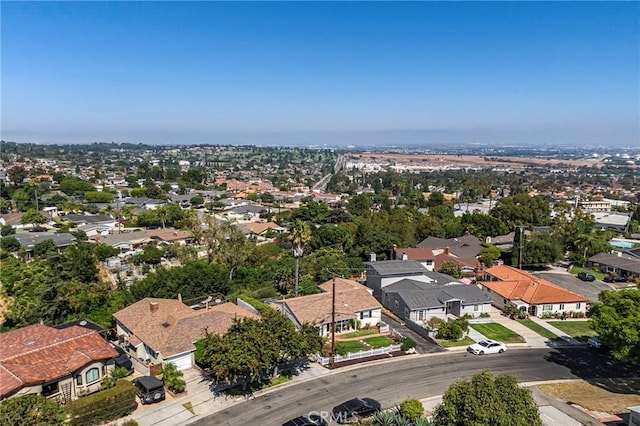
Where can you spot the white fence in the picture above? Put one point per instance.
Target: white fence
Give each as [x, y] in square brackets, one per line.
[357, 355]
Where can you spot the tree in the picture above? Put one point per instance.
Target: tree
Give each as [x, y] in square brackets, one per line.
[541, 248]
[31, 410]
[44, 247]
[489, 254]
[73, 185]
[451, 269]
[32, 216]
[98, 197]
[486, 400]
[299, 234]
[10, 244]
[197, 200]
[105, 251]
[7, 230]
[616, 319]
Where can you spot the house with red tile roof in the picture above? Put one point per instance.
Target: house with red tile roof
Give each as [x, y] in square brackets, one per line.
[157, 331]
[58, 363]
[506, 285]
[354, 305]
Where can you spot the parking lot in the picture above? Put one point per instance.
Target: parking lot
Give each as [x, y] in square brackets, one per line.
[588, 289]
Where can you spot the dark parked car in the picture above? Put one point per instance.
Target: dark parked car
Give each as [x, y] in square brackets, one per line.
[149, 389]
[586, 276]
[122, 360]
[353, 409]
[614, 279]
[310, 420]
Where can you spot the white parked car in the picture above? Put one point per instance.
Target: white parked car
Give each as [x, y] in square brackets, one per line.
[487, 347]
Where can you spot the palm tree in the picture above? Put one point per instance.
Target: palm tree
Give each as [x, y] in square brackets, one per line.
[299, 234]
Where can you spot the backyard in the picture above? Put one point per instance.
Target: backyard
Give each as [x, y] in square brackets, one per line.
[575, 329]
[498, 332]
[538, 328]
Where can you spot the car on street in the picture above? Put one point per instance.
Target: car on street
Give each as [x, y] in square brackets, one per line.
[614, 279]
[586, 276]
[487, 347]
[309, 420]
[594, 342]
[354, 409]
[149, 389]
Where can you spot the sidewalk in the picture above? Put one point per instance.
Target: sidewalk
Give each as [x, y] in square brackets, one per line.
[199, 400]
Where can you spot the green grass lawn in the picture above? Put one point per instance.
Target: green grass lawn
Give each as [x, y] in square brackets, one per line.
[343, 348]
[379, 341]
[496, 331]
[574, 328]
[258, 385]
[538, 329]
[463, 342]
[359, 333]
[575, 270]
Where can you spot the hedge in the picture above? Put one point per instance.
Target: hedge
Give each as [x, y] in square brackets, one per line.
[103, 406]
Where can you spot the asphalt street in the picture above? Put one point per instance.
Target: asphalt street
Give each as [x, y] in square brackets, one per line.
[588, 289]
[414, 377]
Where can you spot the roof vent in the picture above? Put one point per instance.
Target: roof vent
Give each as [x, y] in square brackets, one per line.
[29, 342]
[154, 306]
[83, 323]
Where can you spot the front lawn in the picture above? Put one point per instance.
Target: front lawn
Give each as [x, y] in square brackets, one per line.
[575, 270]
[379, 341]
[463, 342]
[575, 329]
[359, 333]
[495, 331]
[258, 385]
[343, 348]
[538, 328]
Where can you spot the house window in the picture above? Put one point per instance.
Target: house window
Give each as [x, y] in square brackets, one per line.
[476, 307]
[547, 308]
[504, 301]
[562, 306]
[50, 389]
[365, 314]
[578, 305]
[421, 315]
[93, 375]
[79, 380]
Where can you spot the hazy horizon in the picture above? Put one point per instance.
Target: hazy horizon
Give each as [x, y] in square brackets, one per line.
[311, 73]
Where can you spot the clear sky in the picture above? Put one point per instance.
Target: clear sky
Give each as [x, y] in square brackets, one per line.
[336, 72]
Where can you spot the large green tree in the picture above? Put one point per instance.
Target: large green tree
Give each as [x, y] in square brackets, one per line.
[299, 235]
[31, 410]
[486, 400]
[616, 319]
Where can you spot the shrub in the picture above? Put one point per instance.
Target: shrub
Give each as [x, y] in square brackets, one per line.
[450, 331]
[110, 380]
[411, 409]
[31, 410]
[172, 378]
[407, 343]
[103, 406]
[434, 323]
[484, 315]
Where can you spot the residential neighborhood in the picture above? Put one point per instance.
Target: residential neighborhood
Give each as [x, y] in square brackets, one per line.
[181, 270]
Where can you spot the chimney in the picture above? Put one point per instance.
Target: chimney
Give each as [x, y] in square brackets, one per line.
[180, 297]
[447, 250]
[372, 257]
[153, 306]
[404, 256]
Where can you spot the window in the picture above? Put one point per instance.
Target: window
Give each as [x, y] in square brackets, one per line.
[79, 379]
[93, 375]
[406, 312]
[365, 314]
[547, 308]
[562, 306]
[476, 307]
[578, 305]
[421, 315]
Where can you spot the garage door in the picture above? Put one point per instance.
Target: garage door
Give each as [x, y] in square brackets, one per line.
[182, 362]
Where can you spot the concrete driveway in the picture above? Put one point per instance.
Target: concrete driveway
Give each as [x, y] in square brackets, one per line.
[588, 289]
[423, 346]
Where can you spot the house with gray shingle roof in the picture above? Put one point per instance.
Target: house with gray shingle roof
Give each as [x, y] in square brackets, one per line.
[29, 240]
[420, 301]
[619, 263]
[385, 272]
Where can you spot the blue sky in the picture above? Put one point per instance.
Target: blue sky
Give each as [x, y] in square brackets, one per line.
[306, 72]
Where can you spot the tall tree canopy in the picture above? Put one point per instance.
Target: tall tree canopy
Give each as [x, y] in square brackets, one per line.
[486, 400]
[616, 319]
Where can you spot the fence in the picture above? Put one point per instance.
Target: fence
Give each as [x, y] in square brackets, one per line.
[358, 355]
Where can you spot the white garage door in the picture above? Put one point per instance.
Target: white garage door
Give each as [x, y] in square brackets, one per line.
[182, 362]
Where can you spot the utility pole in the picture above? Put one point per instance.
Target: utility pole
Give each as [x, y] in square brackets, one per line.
[333, 322]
